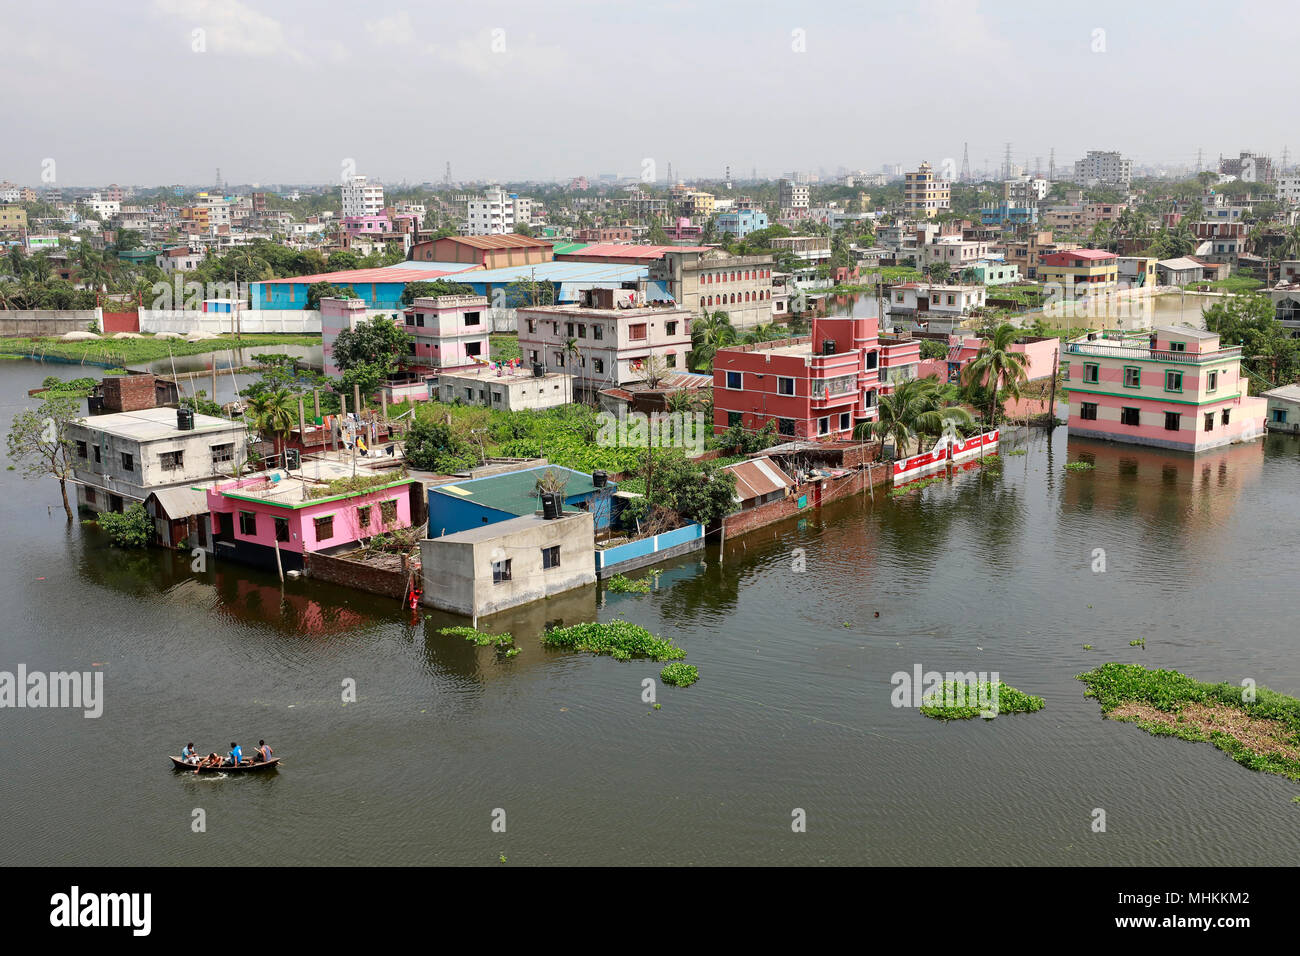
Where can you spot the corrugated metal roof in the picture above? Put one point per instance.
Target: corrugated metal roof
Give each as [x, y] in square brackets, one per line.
[515, 492]
[758, 477]
[563, 271]
[1287, 393]
[181, 502]
[645, 252]
[402, 273]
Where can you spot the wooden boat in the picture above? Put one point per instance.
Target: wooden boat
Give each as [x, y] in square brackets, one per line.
[246, 767]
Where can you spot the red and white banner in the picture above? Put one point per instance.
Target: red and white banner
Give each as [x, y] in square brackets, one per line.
[946, 451]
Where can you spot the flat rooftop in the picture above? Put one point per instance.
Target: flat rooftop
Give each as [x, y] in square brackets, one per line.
[574, 309]
[485, 373]
[153, 424]
[499, 529]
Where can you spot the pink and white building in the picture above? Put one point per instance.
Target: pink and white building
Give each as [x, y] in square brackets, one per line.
[1173, 388]
[254, 517]
[450, 331]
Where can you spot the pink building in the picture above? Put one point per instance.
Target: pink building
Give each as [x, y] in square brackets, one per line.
[253, 516]
[335, 316]
[1040, 354]
[373, 225]
[450, 331]
[1172, 387]
[900, 360]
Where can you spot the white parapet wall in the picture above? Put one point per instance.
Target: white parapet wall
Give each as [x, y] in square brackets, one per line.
[250, 321]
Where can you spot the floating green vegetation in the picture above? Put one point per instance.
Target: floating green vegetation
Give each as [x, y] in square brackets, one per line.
[620, 639]
[679, 674]
[1087, 647]
[1257, 727]
[482, 639]
[1140, 642]
[1015, 452]
[957, 700]
[1080, 466]
[915, 486]
[622, 584]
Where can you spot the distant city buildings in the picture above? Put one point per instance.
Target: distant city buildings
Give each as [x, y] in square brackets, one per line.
[497, 212]
[1248, 167]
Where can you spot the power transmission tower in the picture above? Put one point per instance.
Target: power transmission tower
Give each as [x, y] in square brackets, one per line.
[965, 162]
[1006, 163]
[1051, 165]
[446, 173]
[1200, 159]
[1038, 167]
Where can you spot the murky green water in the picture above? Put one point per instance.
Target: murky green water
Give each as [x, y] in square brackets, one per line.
[792, 709]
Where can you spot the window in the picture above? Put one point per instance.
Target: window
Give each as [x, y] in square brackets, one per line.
[1279, 416]
[473, 318]
[1173, 421]
[1212, 381]
[532, 355]
[1173, 381]
[496, 397]
[597, 332]
[637, 333]
[670, 328]
[824, 426]
[128, 462]
[281, 529]
[550, 557]
[247, 523]
[1178, 346]
[169, 460]
[598, 365]
[784, 385]
[1132, 377]
[532, 325]
[670, 359]
[1227, 412]
[388, 511]
[844, 421]
[785, 426]
[90, 492]
[324, 527]
[1209, 421]
[1088, 411]
[97, 459]
[568, 329]
[734, 419]
[469, 394]
[582, 331]
[222, 453]
[501, 571]
[363, 516]
[1091, 373]
[1130, 416]
[81, 449]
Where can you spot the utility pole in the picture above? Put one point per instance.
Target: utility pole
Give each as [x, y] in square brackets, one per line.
[1051, 408]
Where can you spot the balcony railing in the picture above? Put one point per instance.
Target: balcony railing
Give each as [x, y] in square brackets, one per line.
[1159, 355]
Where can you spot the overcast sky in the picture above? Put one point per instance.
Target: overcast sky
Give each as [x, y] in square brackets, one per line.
[278, 91]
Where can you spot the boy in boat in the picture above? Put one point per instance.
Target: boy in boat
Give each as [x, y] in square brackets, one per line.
[211, 760]
[235, 754]
[188, 754]
[263, 752]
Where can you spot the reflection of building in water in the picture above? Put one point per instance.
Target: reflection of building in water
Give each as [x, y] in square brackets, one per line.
[286, 609]
[1162, 488]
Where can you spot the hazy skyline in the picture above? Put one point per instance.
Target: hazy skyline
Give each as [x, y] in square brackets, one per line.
[289, 91]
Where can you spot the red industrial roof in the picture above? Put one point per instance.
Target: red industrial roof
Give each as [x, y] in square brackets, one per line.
[1086, 254]
[503, 241]
[385, 274]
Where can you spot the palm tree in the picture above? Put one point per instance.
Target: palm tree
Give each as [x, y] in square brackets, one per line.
[570, 350]
[916, 407]
[763, 332]
[710, 332]
[273, 413]
[997, 367]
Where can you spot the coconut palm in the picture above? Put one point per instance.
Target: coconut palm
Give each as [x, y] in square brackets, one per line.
[916, 407]
[710, 332]
[998, 367]
[763, 332]
[273, 413]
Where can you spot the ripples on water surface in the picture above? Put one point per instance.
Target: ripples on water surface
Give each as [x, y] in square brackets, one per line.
[792, 708]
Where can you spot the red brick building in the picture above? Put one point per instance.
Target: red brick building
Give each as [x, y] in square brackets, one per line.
[816, 386]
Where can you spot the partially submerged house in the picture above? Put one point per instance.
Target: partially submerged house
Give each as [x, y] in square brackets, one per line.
[468, 504]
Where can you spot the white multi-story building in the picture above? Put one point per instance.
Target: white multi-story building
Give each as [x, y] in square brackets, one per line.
[1288, 189]
[9, 192]
[1024, 190]
[496, 212]
[1103, 168]
[104, 208]
[793, 197]
[361, 197]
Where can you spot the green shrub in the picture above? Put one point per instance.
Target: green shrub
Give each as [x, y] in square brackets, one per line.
[131, 528]
[481, 638]
[622, 584]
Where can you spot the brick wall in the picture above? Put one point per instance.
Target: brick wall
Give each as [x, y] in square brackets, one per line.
[818, 493]
[355, 574]
[128, 393]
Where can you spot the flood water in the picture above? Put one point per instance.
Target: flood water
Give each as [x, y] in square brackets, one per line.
[792, 710]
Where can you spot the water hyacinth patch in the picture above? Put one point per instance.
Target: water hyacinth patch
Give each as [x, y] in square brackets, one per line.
[679, 674]
[622, 584]
[960, 701]
[1080, 466]
[475, 636]
[620, 639]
